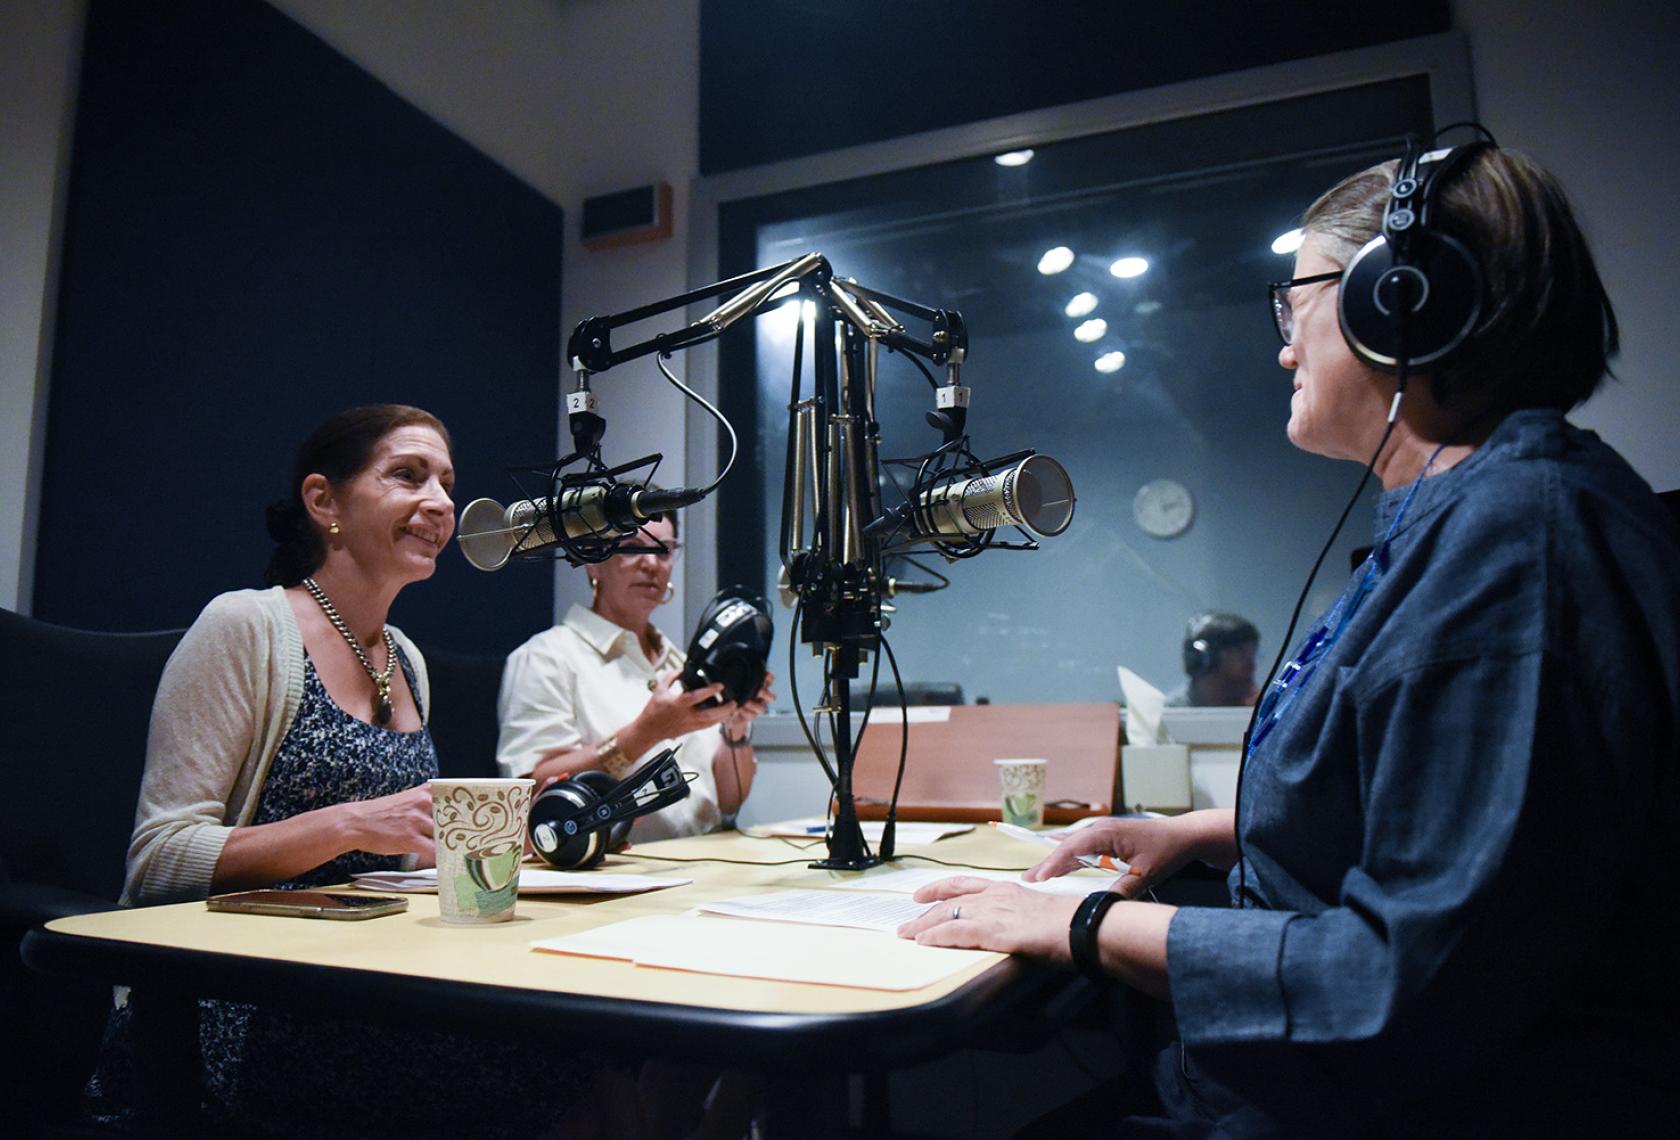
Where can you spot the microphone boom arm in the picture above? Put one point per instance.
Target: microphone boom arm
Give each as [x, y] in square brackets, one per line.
[837, 574]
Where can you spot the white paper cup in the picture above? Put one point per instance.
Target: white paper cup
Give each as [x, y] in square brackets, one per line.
[1022, 783]
[479, 826]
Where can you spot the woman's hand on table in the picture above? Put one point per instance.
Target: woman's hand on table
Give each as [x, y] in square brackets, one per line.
[1155, 849]
[983, 914]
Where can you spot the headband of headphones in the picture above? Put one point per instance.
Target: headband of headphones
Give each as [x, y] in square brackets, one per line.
[573, 821]
[1413, 294]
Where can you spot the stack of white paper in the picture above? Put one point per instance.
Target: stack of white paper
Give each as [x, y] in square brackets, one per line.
[1079, 884]
[780, 951]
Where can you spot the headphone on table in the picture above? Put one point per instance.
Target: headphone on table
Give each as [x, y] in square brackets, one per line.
[576, 821]
[1413, 293]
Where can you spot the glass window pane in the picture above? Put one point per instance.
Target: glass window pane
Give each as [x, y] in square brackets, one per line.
[1171, 227]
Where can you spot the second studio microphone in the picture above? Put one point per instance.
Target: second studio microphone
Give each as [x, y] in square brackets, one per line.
[1035, 493]
[491, 534]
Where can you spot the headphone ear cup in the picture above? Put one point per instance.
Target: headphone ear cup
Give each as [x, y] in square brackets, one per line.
[562, 825]
[1197, 659]
[1438, 288]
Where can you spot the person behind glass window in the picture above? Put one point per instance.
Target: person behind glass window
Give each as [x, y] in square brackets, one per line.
[1459, 788]
[1218, 651]
[601, 691]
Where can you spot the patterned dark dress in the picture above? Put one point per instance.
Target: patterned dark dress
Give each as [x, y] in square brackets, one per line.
[269, 1073]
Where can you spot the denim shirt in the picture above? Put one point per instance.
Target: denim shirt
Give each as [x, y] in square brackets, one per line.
[1450, 838]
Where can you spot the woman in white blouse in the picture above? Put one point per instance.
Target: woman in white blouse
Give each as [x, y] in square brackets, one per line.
[600, 691]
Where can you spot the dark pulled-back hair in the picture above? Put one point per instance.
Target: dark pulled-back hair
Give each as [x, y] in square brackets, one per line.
[1547, 331]
[339, 449]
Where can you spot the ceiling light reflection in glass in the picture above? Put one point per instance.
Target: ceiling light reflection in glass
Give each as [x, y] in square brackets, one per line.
[1111, 361]
[1081, 304]
[1014, 157]
[1055, 260]
[1287, 243]
[1091, 331]
[1130, 267]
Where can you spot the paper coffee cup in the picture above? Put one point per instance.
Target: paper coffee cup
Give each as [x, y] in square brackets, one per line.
[1022, 783]
[479, 826]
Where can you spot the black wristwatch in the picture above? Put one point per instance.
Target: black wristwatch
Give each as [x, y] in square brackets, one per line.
[1082, 933]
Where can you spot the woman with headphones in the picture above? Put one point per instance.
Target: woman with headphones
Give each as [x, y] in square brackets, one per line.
[600, 692]
[1454, 787]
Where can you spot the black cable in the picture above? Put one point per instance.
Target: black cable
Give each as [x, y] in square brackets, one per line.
[634, 854]
[913, 359]
[1283, 645]
[963, 866]
[891, 827]
[734, 444]
[798, 708]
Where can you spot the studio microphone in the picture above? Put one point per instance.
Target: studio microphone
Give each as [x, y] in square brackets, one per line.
[1035, 493]
[491, 534]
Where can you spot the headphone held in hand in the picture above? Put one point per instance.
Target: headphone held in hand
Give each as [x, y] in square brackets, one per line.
[731, 644]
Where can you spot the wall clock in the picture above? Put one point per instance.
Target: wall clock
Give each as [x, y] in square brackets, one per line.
[1163, 508]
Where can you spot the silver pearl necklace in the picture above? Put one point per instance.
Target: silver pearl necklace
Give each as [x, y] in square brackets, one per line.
[381, 681]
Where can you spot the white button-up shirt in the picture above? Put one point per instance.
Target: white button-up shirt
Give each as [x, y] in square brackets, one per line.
[581, 681]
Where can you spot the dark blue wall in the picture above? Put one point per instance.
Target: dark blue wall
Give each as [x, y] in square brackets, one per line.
[784, 78]
[259, 234]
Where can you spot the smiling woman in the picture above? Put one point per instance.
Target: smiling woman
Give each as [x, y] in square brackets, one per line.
[288, 744]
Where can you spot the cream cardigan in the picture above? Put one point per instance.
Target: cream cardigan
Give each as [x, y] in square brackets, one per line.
[226, 700]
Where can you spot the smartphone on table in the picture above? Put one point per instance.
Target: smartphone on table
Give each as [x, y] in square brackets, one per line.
[308, 904]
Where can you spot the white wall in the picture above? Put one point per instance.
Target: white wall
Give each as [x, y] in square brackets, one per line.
[40, 45]
[1591, 92]
[576, 97]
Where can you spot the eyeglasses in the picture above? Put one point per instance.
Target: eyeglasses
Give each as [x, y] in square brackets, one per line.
[1283, 313]
[645, 544]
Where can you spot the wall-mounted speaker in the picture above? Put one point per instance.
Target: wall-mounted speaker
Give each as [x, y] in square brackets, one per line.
[627, 217]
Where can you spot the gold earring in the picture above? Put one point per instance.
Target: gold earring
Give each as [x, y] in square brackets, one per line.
[332, 528]
[594, 584]
[670, 592]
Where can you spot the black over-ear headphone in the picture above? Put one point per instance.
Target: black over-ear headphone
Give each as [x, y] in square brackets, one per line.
[731, 644]
[1413, 292]
[1198, 657]
[576, 821]
[1209, 634]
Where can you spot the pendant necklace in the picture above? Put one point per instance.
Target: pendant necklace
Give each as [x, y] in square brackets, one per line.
[381, 681]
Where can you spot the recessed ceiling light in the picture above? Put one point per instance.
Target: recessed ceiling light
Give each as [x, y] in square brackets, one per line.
[1092, 330]
[1129, 267]
[1014, 157]
[1287, 243]
[1055, 260]
[1111, 361]
[1081, 304]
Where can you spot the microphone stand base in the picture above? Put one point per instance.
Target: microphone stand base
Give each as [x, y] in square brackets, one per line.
[861, 863]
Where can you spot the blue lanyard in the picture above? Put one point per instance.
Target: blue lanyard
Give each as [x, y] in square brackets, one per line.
[1293, 677]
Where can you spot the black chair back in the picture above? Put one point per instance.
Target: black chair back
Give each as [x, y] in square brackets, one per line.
[75, 708]
[462, 718]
